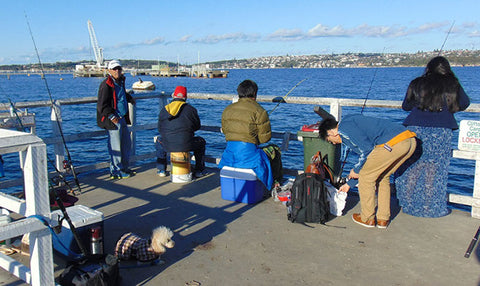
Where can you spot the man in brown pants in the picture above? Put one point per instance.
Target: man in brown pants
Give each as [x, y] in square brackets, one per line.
[382, 147]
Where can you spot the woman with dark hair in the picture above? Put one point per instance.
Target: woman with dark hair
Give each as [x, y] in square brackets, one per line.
[432, 99]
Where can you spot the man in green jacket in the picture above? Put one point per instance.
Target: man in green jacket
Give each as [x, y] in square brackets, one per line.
[246, 125]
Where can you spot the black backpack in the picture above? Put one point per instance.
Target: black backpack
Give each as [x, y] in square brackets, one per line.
[309, 199]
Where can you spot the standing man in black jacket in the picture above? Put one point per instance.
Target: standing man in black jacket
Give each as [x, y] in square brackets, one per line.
[112, 114]
[177, 124]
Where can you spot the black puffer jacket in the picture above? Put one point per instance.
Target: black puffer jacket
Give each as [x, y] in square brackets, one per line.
[177, 123]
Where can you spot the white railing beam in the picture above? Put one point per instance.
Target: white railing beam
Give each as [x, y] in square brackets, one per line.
[13, 204]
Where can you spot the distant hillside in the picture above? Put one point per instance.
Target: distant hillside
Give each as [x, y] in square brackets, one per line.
[139, 64]
[456, 58]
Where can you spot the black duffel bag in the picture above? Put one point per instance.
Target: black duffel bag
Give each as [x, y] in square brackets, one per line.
[94, 270]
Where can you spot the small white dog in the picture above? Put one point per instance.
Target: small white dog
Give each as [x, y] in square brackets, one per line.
[131, 246]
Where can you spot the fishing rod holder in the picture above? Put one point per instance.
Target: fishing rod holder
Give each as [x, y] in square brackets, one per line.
[10, 121]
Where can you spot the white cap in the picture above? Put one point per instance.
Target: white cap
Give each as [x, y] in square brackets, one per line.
[113, 64]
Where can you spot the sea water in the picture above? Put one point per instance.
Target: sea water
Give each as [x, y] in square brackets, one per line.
[356, 83]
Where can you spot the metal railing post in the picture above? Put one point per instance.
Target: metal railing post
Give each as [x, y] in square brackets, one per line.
[336, 109]
[132, 109]
[58, 148]
[38, 203]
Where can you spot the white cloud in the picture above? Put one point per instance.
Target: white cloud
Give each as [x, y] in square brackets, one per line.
[185, 38]
[378, 31]
[474, 34]
[321, 30]
[430, 27]
[154, 41]
[393, 31]
[469, 25]
[325, 31]
[285, 35]
[232, 37]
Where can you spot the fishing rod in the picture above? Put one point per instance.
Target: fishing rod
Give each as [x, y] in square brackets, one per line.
[70, 223]
[285, 96]
[446, 37]
[472, 244]
[14, 110]
[68, 163]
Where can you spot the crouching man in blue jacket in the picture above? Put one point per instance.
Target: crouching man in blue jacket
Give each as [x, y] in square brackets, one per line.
[382, 147]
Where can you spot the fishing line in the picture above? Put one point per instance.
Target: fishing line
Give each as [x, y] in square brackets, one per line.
[446, 37]
[361, 112]
[69, 163]
[285, 96]
[371, 84]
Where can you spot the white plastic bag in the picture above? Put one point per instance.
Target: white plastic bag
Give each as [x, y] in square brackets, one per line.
[336, 199]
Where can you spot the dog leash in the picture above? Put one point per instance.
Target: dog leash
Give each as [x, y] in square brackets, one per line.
[56, 238]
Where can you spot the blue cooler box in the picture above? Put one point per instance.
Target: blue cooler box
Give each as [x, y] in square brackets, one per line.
[241, 185]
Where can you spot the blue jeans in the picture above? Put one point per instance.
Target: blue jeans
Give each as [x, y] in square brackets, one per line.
[119, 147]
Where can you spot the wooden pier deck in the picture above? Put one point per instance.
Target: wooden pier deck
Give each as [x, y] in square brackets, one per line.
[220, 242]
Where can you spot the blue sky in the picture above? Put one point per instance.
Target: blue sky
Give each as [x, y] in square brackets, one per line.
[186, 31]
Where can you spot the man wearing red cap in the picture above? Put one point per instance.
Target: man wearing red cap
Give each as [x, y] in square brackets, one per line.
[177, 123]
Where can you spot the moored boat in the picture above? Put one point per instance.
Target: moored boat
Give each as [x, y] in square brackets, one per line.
[143, 85]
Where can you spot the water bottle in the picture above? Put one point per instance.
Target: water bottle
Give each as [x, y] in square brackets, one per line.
[96, 242]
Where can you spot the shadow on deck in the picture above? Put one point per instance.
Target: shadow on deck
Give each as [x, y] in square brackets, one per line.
[220, 242]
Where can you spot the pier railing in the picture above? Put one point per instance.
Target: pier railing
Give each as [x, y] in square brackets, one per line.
[36, 203]
[335, 105]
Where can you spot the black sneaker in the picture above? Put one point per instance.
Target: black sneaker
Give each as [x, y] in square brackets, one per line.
[130, 172]
[199, 174]
[121, 175]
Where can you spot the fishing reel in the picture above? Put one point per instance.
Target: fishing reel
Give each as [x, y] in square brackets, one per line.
[56, 181]
[67, 165]
[339, 181]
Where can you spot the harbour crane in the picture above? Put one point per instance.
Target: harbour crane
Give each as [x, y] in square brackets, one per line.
[96, 49]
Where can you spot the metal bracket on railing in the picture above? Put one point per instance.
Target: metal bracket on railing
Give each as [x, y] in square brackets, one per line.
[285, 141]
